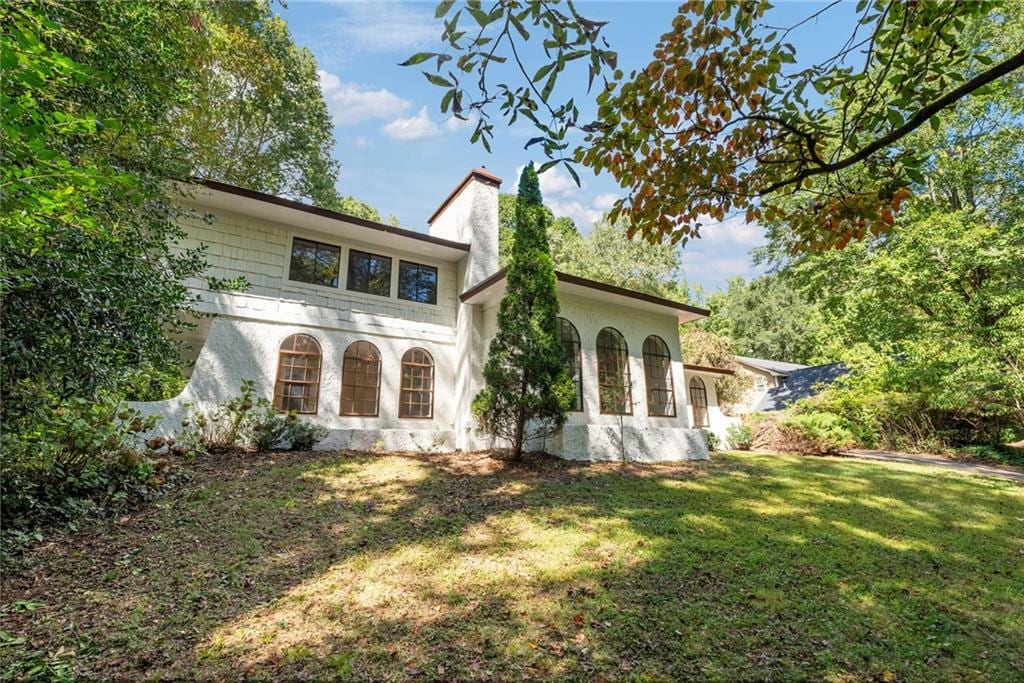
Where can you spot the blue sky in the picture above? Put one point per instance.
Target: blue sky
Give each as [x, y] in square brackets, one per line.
[400, 154]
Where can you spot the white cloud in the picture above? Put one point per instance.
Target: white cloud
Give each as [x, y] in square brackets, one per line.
[454, 124]
[413, 127]
[554, 181]
[584, 216]
[732, 231]
[351, 103]
[387, 26]
[605, 201]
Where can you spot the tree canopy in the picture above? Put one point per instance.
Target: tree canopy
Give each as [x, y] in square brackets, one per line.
[724, 119]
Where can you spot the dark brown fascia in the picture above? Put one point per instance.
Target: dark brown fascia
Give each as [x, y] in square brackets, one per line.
[481, 174]
[327, 213]
[592, 284]
[705, 368]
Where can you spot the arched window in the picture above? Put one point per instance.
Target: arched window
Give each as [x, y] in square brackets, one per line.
[613, 379]
[661, 397]
[571, 358]
[699, 402]
[416, 398]
[360, 379]
[298, 375]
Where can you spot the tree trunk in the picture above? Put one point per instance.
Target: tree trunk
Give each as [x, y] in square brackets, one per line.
[517, 442]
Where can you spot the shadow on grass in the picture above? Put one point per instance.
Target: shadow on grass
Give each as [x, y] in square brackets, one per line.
[460, 566]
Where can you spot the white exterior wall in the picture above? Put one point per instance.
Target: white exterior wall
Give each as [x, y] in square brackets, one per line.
[239, 245]
[239, 349]
[751, 396]
[471, 216]
[718, 421]
[591, 435]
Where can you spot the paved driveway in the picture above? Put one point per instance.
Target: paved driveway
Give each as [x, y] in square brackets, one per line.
[939, 462]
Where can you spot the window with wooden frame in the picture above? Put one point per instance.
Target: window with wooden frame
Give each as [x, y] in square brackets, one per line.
[315, 263]
[699, 402]
[613, 378]
[368, 273]
[360, 380]
[416, 397]
[417, 282]
[661, 397]
[572, 359]
[298, 375]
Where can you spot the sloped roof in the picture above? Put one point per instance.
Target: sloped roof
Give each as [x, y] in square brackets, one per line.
[799, 384]
[776, 367]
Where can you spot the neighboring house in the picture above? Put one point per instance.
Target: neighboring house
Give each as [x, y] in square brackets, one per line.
[776, 384]
[800, 384]
[380, 333]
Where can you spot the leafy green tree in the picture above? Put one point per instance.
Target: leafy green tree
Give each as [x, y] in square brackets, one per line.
[527, 393]
[91, 281]
[609, 255]
[767, 318]
[720, 121]
[256, 115]
[941, 298]
[563, 237]
[701, 346]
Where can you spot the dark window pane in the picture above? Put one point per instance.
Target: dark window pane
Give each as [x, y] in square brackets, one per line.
[298, 374]
[369, 273]
[613, 378]
[661, 401]
[571, 358]
[314, 262]
[417, 282]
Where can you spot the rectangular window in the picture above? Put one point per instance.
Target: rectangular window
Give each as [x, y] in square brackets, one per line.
[314, 262]
[369, 273]
[417, 282]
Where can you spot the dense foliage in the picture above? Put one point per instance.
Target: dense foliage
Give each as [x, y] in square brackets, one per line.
[931, 316]
[703, 347]
[527, 392]
[722, 120]
[767, 318]
[102, 106]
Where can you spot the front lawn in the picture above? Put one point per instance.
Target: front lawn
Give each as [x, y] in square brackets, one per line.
[396, 567]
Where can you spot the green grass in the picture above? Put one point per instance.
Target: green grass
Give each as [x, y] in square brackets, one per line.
[388, 567]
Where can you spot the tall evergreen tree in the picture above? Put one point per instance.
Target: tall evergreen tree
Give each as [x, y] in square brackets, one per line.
[527, 392]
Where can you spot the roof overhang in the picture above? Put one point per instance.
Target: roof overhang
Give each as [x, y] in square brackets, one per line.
[493, 288]
[215, 195]
[708, 369]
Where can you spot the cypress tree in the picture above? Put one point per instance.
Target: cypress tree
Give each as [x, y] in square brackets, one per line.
[527, 392]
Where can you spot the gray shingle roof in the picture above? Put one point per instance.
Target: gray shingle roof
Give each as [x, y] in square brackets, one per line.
[800, 384]
[776, 367]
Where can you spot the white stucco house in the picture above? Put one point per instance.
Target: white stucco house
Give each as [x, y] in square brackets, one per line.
[380, 333]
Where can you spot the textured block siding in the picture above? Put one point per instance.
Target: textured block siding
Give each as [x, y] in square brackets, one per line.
[238, 245]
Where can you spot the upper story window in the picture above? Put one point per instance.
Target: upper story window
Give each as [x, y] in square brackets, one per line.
[613, 378]
[369, 273]
[572, 359]
[417, 282]
[314, 262]
[661, 397]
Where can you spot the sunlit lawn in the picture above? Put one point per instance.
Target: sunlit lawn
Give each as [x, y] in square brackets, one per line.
[749, 567]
